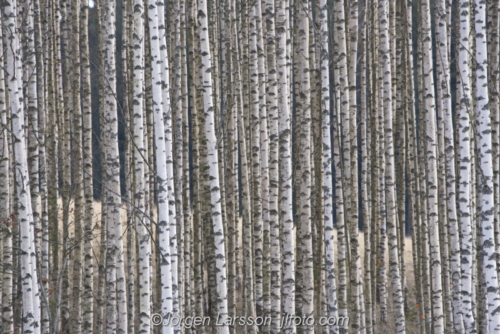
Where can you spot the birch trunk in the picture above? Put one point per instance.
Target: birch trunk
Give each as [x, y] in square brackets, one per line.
[76, 310]
[29, 279]
[356, 280]
[142, 223]
[443, 75]
[88, 255]
[327, 167]
[485, 178]
[167, 114]
[431, 170]
[256, 185]
[464, 165]
[285, 159]
[213, 171]
[394, 264]
[5, 208]
[161, 169]
[305, 283]
[494, 94]
[343, 158]
[116, 307]
[274, 216]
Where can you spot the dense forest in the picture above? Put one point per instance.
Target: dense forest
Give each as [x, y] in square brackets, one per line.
[265, 166]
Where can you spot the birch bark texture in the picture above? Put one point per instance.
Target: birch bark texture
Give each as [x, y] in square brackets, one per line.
[485, 183]
[213, 160]
[27, 260]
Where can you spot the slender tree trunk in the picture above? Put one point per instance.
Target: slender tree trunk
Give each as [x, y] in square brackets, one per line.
[303, 170]
[394, 264]
[116, 307]
[494, 94]
[6, 218]
[29, 278]
[88, 253]
[327, 168]
[213, 172]
[464, 165]
[256, 185]
[142, 223]
[161, 169]
[485, 183]
[76, 310]
[274, 215]
[286, 218]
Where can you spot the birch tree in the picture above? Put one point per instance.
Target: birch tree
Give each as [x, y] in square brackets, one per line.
[444, 100]
[285, 160]
[303, 104]
[88, 278]
[331, 293]
[5, 209]
[161, 169]
[29, 278]
[394, 265]
[431, 171]
[116, 308]
[211, 139]
[464, 165]
[142, 224]
[274, 215]
[485, 183]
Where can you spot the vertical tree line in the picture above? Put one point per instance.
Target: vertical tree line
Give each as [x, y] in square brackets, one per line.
[277, 166]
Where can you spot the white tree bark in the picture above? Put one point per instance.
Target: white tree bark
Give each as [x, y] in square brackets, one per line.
[431, 167]
[7, 259]
[443, 75]
[494, 95]
[327, 167]
[303, 169]
[485, 178]
[342, 158]
[161, 169]
[88, 255]
[394, 264]
[142, 223]
[286, 218]
[464, 165]
[255, 125]
[29, 278]
[272, 99]
[115, 269]
[167, 119]
[215, 192]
